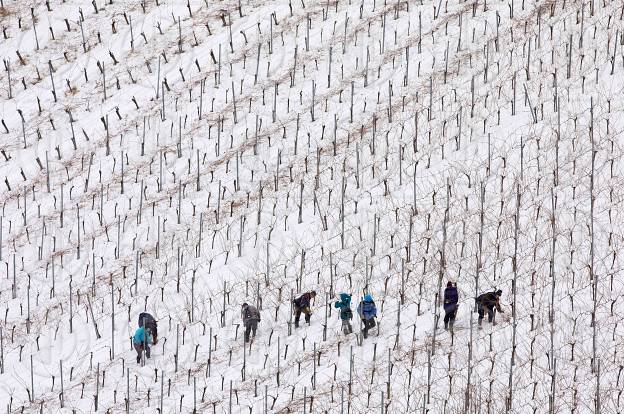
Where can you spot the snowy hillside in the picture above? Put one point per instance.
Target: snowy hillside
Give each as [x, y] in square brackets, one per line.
[183, 158]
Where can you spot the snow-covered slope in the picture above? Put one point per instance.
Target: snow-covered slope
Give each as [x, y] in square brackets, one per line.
[184, 158]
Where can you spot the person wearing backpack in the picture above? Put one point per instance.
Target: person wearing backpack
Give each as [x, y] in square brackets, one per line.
[367, 311]
[251, 318]
[302, 305]
[344, 304]
[142, 340]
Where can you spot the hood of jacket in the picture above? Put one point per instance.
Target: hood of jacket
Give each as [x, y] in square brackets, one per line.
[368, 298]
[345, 298]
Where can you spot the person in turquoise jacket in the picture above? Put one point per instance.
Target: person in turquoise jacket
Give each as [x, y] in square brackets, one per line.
[142, 341]
[344, 304]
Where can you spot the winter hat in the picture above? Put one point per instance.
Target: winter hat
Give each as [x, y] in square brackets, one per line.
[313, 293]
[499, 292]
[368, 298]
[245, 305]
[449, 284]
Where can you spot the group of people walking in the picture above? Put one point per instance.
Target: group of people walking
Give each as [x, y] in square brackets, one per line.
[366, 310]
[486, 303]
[301, 305]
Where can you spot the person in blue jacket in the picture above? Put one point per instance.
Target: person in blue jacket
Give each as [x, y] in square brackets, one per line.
[142, 341]
[450, 305]
[344, 304]
[367, 311]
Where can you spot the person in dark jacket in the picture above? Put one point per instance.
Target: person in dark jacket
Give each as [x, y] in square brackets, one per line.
[489, 302]
[302, 305]
[251, 317]
[450, 305]
[367, 311]
[147, 321]
[344, 304]
[142, 340]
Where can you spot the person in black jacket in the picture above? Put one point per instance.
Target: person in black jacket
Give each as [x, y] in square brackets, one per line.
[489, 302]
[450, 305]
[251, 317]
[302, 305]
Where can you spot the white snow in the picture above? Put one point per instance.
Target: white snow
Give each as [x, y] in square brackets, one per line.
[226, 184]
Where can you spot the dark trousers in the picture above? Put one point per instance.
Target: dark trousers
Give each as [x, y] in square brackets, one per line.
[490, 312]
[346, 326]
[450, 312]
[250, 328]
[139, 350]
[368, 324]
[298, 311]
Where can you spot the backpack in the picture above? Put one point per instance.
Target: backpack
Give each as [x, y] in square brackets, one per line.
[367, 310]
[252, 313]
[147, 320]
[297, 301]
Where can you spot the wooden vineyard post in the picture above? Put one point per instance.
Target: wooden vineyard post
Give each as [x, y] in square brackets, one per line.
[1, 351]
[112, 353]
[71, 310]
[177, 348]
[512, 362]
[162, 390]
[193, 296]
[95, 327]
[480, 242]
[32, 381]
[327, 305]
[442, 267]
[551, 315]
[244, 368]
[592, 274]
[62, 394]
